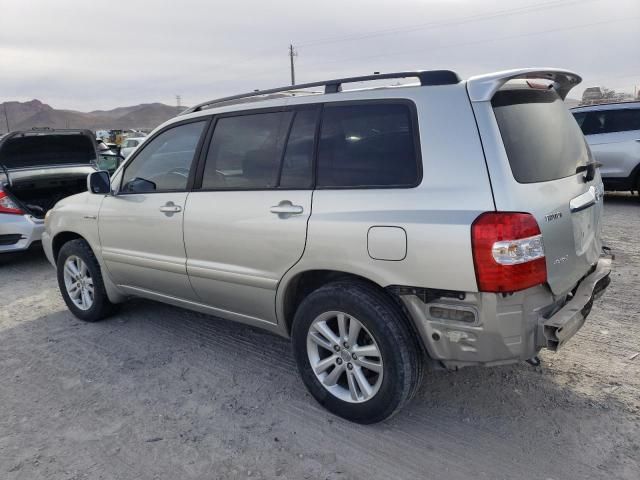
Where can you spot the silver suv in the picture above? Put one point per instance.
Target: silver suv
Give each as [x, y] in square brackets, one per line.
[448, 222]
[613, 133]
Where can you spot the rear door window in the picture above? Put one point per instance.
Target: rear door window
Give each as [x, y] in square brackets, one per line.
[246, 151]
[542, 140]
[367, 145]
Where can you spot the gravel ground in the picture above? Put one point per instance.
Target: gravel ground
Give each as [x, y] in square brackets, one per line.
[160, 393]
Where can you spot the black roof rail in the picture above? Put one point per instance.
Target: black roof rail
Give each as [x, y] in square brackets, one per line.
[426, 77]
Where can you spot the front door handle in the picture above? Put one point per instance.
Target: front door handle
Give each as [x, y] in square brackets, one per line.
[170, 207]
[285, 209]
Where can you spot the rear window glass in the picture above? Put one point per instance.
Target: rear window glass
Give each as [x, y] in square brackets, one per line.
[541, 137]
[367, 145]
[34, 150]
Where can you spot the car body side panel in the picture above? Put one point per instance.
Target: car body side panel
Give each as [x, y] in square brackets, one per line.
[619, 152]
[436, 215]
[78, 214]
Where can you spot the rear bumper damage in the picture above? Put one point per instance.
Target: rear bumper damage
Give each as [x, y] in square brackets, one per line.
[493, 329]
[562, 325]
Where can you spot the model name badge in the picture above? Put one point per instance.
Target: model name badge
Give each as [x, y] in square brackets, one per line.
[553, 216]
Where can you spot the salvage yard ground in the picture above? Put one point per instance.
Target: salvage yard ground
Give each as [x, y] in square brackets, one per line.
[160, 393]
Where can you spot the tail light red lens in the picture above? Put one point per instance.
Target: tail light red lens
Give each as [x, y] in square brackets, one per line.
[7, 205]
[508, 252]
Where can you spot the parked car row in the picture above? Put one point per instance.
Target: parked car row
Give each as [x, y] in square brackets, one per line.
[454, 223]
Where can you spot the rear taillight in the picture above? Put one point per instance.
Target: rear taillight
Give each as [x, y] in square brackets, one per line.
[508, 252]
[7, 205]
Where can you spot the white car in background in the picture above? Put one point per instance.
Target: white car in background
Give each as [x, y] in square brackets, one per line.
[130, 144]
[613, 133]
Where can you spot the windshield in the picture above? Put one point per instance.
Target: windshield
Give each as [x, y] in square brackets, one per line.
[541, 137]
[47, 150]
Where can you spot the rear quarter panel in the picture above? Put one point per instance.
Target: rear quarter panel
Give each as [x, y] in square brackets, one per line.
[436, 215]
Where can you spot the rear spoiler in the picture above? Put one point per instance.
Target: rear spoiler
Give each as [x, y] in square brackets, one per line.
[482, 88]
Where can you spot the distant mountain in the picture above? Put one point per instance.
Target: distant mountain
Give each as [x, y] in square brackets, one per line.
[26, 115]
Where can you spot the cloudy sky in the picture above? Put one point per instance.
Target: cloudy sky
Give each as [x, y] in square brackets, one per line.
[90, 54]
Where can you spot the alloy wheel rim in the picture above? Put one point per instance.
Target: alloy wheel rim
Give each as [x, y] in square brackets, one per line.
[344, 357]
[78, 282]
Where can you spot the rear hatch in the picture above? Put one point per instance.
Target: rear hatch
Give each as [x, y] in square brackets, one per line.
[553, 177]
[47, 149]
[40, 167]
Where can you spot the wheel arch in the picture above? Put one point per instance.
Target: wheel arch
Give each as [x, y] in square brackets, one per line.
[60, 239]
[292, 292]
[65, 236]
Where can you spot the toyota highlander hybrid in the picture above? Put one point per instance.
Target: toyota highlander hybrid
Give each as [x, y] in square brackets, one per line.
[445, 222]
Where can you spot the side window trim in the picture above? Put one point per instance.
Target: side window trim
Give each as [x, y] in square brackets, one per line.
[208, 137]
[415, 135]
[194, 162]
[284, 149]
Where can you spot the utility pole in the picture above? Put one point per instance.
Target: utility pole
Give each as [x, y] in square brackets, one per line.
[178, 102]
[6, 117]
[292, 53]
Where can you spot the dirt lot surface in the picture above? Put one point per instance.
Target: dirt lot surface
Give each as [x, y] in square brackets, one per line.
[157, 392]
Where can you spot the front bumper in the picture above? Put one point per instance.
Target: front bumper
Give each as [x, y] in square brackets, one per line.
[507, 328]
[48, 248]
[18, 232]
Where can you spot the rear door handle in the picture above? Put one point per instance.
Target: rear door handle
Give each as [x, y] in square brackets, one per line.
[170, 207]
[285, 209]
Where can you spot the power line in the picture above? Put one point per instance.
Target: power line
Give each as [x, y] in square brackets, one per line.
[410, 28]
[470, 19]
[477, 42]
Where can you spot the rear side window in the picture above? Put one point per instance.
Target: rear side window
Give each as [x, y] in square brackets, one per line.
[367, 145]
[609, 121]
[246, 151]
[541, 138]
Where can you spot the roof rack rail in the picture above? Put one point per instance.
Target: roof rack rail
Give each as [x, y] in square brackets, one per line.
[426, 77]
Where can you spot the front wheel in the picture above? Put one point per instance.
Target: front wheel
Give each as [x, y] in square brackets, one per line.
[355, 352]
[80, 282]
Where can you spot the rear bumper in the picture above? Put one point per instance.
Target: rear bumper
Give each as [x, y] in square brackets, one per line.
[563, 324]
[505, 329]
[19, 232]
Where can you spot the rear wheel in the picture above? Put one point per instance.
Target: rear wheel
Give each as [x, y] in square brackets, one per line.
[80, 282]
[355, 352]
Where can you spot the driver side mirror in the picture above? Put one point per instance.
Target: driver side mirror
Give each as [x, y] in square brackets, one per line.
[99, 183]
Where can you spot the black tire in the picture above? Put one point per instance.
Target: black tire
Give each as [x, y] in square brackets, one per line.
[401, 356]
[101, 306]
